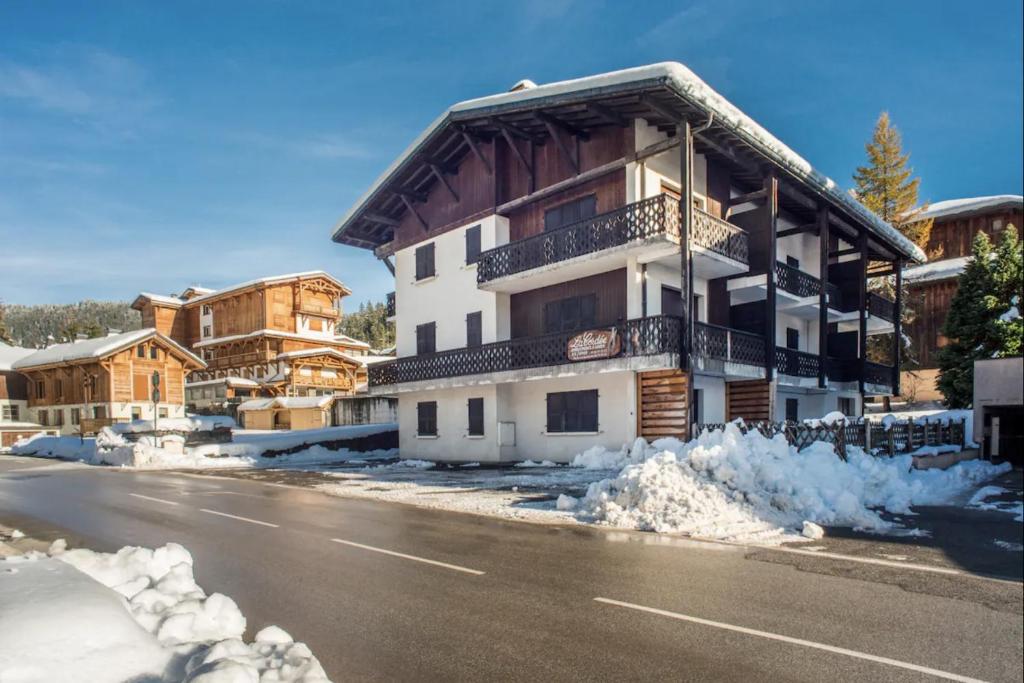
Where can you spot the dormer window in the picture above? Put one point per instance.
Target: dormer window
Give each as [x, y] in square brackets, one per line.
[207, 309]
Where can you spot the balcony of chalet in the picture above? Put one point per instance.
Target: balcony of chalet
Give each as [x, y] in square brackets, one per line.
[648, 230]
[797, 293]
[640, 344]
[728, 352]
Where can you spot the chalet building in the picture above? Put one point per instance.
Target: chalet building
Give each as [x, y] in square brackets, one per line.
[931, 287]
[106, 379]
[15, 423]
[621, 255]
[274, 336]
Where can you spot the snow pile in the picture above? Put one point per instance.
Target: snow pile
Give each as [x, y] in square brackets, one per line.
[921, 417]
[730, 485]
[140, 616]
[192, 423]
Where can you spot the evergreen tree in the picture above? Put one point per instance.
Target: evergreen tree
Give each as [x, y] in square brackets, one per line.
[885, 184]
[969, 326]
[1008, 293]
[5, 336]
[369, 324]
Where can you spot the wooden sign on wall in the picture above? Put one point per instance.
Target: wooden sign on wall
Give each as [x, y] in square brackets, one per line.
[594, 345]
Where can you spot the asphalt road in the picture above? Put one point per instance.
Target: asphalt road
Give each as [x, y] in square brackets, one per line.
[390, 592]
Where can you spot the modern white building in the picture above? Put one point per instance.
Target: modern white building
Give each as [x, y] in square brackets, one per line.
[621, 255]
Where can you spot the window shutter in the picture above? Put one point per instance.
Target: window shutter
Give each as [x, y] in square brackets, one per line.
[473, 244]
[476, 416]
[474, 333]
[588, 310]
[552, 317]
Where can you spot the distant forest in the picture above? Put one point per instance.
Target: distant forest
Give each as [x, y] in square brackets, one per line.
[42, 324]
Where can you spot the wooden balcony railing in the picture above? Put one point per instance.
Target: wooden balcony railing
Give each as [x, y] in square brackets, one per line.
[796, 363]
[640, 337]
[720, 236]
[795, 281]
[639, 220]
[726, 344]
[881, 307]
[876, 373]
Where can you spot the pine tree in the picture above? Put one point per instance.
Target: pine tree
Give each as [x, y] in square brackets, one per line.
[885, 185]
[1008, 293]
[969, 326]
[5, 336]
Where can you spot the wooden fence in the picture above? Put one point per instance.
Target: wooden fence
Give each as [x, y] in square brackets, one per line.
[876, 438]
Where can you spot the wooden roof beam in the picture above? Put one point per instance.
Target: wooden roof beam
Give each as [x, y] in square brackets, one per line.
[382, 219]
[569, 156]
[608, 114]
[515, 149]
[439, 174]
[808, 227]
[550, 120]
[471, 140]
[661, 110]
[413, 211]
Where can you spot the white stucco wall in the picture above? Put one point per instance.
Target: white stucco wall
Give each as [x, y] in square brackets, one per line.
[813, 403]
[525, 405]
[808, 331]
[712, 401]
[450, 295]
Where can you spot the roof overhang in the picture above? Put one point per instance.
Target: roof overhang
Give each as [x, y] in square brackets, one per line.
[663, 94]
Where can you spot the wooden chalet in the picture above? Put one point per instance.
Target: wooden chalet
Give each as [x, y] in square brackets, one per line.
[86, 384]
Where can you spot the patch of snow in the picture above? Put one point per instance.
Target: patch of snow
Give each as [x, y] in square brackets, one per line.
[192, 423]
[945, 269]
[565, 502]
[534, 463]
[952, 207]
[812, 531]
[1007, 545]
[98, 348]
[136, 614]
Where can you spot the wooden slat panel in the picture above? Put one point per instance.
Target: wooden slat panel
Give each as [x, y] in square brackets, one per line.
[748, 400]
[663, 407]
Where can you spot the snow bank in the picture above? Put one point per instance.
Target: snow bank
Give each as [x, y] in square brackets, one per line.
[140, 616]
[168, 452]
[192, 423]
[730, 485]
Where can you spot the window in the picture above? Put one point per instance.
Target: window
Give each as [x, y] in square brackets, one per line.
[792, 261]
[697, 308]
[476, 417]
[570, 212]
[11, 413]
[162, 413]
[58, 388]
[140, 351]
[207, 330]
[43, 417]
[154, 352]
[136, 413]
[99, 412]
[472, 244]
[574, 313]
[474, 333]
[671, 301]
[425, 262]
[76, 416]
[316, 325]
[58, 418]
[572, 411]
[792, 409]
[207, 309]
[846, 406]
[426, 418]
[40, 389]
[698, 406]
[792, 338]
[426, 338]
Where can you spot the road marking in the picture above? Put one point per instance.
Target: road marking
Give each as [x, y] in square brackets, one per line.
[795, 641]
[155, 500]
[869, 560]
[409, 557]
[243, 519]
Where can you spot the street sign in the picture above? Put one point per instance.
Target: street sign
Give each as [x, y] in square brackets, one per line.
[156, 378]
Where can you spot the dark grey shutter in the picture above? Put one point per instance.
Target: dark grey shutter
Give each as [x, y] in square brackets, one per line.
[792, 338]
[474, 332]
[588, 311]
[473, 244]
[476, 416]
[792, 409]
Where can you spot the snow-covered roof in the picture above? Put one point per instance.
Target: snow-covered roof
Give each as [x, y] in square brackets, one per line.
[100, 347]
[161, 299]
[687, 85]
[936, 270]
[264, 332]
[318, 351]
[10, 354]
[955, 207]
[230, 381]
[273, 279]
[287, 402]
[351, 341]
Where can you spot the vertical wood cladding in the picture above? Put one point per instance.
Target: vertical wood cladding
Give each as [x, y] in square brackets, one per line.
[931, 302]
[750, 400]
[13, 386]
[952, 237]
[479, 192]
[663, 404]
[527, 308]
[610, 191]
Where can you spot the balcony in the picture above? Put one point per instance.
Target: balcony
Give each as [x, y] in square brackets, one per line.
[797, 293]
[642, 337]
[728, 351]
[389, 305]
[877, 377]
[718, 246]
[880, 307]
[797, 364]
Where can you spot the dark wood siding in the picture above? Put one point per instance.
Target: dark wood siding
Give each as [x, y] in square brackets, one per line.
[13, 386]
[527, 308]
[610, 191]
[952, 237]
[930, 302]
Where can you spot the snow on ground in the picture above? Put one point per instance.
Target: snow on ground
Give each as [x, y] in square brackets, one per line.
[724, 485]
[246, 449]
[980, 500]
[138, 614]
[191, 423]
[730, 485]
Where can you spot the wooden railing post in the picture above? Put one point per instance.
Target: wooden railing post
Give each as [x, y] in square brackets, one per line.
[771, 209]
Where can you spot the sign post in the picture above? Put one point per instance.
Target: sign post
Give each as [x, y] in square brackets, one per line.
[156, 402]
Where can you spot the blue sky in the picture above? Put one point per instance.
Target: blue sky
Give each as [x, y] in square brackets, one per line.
[149, 146]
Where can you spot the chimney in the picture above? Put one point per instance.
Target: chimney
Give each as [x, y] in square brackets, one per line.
[524, 84]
